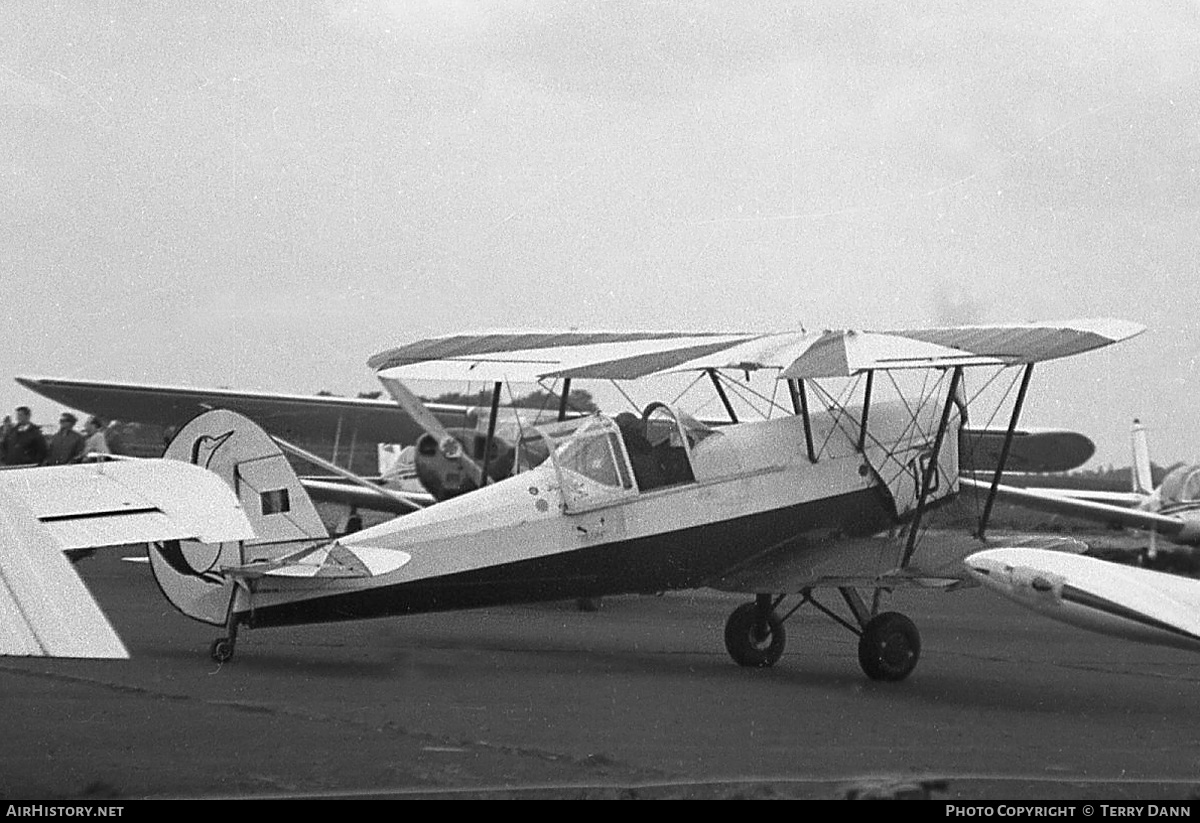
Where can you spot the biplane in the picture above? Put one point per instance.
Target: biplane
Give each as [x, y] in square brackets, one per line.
[832, 495]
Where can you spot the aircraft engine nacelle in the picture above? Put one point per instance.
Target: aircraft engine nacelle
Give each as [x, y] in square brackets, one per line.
[441, 466]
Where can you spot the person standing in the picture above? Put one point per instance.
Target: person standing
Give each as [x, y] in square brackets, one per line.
[24, 444]
[66, 446]
[94, 441]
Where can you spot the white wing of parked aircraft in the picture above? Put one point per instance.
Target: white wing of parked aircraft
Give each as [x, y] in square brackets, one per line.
[45, 610]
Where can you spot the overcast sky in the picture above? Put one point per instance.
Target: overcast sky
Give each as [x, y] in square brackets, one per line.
[260, 196]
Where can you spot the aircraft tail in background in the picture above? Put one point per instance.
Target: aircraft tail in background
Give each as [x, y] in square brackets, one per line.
[1143, 482]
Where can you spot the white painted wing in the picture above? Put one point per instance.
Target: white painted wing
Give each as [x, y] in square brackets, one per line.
[1058, 503]
[128, 501]
[45, 610]
[532, 356]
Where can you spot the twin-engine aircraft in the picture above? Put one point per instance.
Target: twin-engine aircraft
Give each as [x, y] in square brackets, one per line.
[833, 495]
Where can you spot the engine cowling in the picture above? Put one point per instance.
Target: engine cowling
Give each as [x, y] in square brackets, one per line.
[443, 469]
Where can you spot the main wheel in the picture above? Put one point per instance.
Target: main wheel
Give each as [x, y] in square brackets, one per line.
[221, 650]
[746, 641]
[889, 647]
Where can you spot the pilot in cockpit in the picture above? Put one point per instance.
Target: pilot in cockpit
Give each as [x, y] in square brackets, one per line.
[646, 469]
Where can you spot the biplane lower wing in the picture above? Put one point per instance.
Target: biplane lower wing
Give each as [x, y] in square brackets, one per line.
[45, 609]
[874, 562]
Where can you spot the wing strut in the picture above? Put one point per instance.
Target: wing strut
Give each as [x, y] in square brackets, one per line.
[1008, 437]
[338, 470]
[862, 432]
[491, 435]
[562, 400]
[800, 406]
[712, 373]
[931, 467]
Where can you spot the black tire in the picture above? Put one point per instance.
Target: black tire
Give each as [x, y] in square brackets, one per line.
[746, 646]
[889, 647]
[221, 650]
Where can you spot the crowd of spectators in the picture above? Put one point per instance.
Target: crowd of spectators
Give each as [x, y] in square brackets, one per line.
[22, 442]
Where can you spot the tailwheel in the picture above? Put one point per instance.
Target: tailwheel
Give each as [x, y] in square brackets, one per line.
[754, 636]
[222, 649]
[889, 647]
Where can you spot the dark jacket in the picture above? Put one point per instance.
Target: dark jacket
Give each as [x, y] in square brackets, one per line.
[65, 447]
[24, 444]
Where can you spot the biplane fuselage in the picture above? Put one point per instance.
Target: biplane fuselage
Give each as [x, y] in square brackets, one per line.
[583, 523]
[773, 508]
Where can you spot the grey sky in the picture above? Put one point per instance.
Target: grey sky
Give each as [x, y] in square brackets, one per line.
[262, 195]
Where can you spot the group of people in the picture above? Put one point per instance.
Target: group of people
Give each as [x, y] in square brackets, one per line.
[23, 444]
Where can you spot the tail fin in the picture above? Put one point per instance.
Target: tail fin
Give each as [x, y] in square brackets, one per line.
[1143, 482]
[244, 456]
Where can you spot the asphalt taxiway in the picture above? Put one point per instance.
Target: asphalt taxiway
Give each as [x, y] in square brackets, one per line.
[638, 699]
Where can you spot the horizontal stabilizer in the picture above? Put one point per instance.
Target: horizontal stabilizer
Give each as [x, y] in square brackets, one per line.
[334, 560]
[128, 501]
[45, 609]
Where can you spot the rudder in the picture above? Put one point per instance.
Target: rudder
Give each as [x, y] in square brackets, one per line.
[280, 511]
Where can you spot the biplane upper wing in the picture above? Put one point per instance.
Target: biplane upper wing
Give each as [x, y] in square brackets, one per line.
[45, 610]
[1057, 502]
[290, 416]
[529, 356]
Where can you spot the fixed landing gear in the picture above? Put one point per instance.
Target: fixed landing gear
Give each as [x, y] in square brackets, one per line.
[889, 644]
[221, 649]
[889, 647]
[755, 637]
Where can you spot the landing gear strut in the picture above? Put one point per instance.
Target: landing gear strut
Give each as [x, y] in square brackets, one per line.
[222, 648]
[889, 644]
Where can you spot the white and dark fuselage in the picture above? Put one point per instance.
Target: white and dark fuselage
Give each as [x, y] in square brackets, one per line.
[583, 523]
